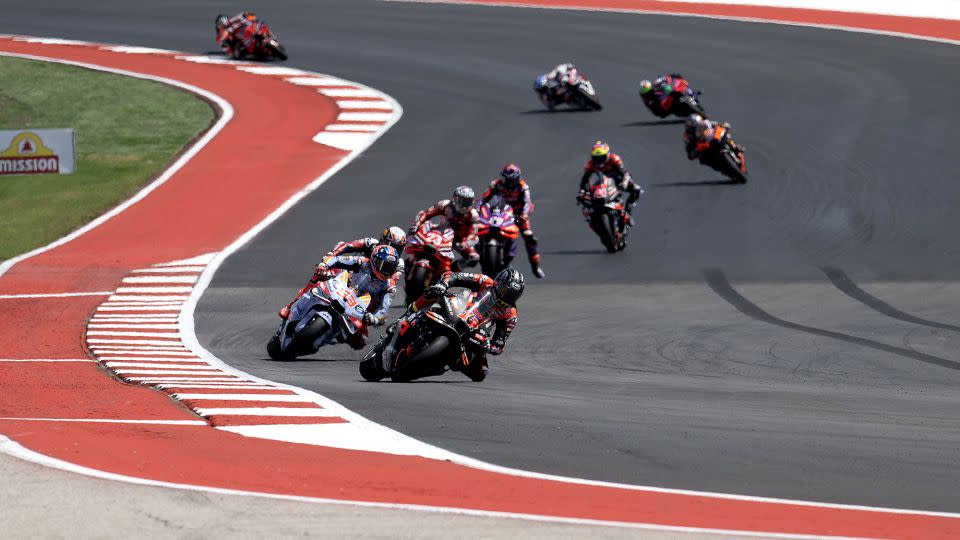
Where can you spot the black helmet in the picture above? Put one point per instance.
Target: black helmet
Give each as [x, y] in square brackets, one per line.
[508, 286]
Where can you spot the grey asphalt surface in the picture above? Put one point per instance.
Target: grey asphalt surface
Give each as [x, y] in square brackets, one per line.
[795, 337]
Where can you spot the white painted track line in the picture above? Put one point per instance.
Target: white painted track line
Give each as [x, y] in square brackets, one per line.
[148, 326]
[114, 421]
[161, 279]
[364, 117]
[46, 360]
[54, 295]
[356, 104]
[286, 398]
[268, 411]
[318, 81]
[171, 270]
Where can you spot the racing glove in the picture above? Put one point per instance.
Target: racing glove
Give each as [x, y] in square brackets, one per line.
[435, 291]
[370, 320]
[321, 274]
[496, 347]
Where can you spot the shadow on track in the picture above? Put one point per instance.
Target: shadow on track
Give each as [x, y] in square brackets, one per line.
[842, 281]
[555, 111]
[642, 123]
[699, 183]
[576, 252]
[717, 281]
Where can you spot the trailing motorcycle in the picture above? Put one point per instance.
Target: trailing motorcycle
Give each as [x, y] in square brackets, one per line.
[726, 157]
[427, 255]
[605, 212]
[498, 232]
[433, 340]
[580, 95]
[330, 313]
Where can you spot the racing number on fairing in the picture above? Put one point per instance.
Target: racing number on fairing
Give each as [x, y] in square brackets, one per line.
[350, 299]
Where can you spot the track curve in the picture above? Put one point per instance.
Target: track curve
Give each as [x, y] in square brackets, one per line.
[794, 337]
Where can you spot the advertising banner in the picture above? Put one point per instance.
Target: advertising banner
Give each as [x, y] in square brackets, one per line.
[37, 151]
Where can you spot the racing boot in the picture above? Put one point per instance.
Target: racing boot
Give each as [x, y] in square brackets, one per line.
[535, 266]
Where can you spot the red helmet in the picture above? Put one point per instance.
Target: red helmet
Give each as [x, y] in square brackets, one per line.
[393, 237]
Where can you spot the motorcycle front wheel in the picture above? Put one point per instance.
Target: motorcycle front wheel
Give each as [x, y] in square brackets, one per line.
[275, 352]
[605, 228]
[419, 364]
[732, 165]
[302, 343]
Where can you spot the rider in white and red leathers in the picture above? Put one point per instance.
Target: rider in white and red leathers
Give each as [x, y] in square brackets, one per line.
[457, 212]
[391, 236]
[365, 279]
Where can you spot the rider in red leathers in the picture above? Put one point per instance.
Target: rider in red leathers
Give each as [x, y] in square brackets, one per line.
[515, 191]
[237, 35]
[604, 161]
[660, 93]
[704, 138]
[459, 213]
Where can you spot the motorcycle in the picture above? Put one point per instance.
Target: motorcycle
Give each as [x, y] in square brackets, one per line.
[427, 343]
[428, 253]
[683, 102]
[581, 95]
[330, 313]
[498, 232]
[605, 212]
[730, 160]
[266, 46]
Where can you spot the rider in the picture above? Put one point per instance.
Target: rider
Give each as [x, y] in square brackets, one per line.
[659, 94]
[701, 135]
[391, 236]
[237, 35]
[604, 161]
[376, 276]
[558, 80]
[507, 288]
[515, 191]
[458, 212]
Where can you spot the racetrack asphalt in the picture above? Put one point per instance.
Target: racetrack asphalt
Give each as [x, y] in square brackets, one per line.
[794, 337]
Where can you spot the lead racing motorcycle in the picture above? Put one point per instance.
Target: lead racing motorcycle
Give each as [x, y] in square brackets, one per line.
[427, 343]
[330, 313]
[498, 232]
[605, 212]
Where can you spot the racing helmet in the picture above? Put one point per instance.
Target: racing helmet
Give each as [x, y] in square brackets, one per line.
[508, 286]
[540, 85]
[249, 15]
[384, 261]
[645, 87]
[511, 175]
[393, 237]
[462, 199]
[692, 122]
[600, 152]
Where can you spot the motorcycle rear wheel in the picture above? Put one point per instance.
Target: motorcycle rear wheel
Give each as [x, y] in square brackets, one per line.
[491, 259]
[417, 283]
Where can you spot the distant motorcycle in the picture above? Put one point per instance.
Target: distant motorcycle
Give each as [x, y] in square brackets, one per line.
[330, 313]
[498, 233]
[581, 95]
[605, 212]
[427, 255]
[264, 44]
[433, 340]
[727, 158]
[681, 104]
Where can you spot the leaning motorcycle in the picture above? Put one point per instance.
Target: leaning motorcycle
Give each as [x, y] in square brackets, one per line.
[581, 95]
[431, 341]
[728, 159]
[266, 44]
[498, 233]
[428, 253]
[330, 313]
[604, 211]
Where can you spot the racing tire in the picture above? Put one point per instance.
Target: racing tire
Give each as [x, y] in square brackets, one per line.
[688, 107]
[417, 283]
[303, 342]
[276, 353]
[605, 227]
[733, 168]
[418, 365]
[491, 259]
[276, 49]
[370, 371]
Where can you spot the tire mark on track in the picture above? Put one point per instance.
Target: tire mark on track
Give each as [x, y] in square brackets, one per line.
[842, 281]
[717, 281]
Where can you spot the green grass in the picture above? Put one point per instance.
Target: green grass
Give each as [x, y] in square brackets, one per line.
[127, 131]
